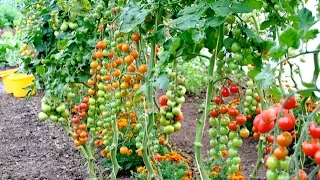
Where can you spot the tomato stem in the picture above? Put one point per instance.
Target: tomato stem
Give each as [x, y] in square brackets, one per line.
[115, 165]
[201, 122]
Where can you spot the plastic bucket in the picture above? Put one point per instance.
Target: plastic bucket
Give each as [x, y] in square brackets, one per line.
[4, 75]
[18, 82]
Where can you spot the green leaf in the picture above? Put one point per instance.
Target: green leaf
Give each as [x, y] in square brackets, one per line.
[290, 38]
[228, 42]
[162, 81]
[306, 93]
[172, 44]
[306, 21]
[211, 41]
[160, 36]
[221, 7]
[274, 90]
[215, 21]
[311, 34]
[41, 71]
[287, 7]
[266, 24]
[240, 8]
[187, 21]
[265, 77]
[256, 4]
[253, 73]
[252, 35]
[277, 52]
[132, 16]
[257, 62]
[197, 35]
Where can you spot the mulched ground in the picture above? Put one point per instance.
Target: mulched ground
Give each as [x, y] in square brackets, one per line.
[31, 149]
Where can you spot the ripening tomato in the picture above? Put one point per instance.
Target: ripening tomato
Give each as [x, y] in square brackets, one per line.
[290, 104]
[163, 100]
[233, 126]
[234, 88]
[270, 139]
[277, 108]
[217, 100]
[84, 106]
[261, 126]
[310, 148]
[233, 112]
[302, 175]
[241, 119]
[244, 133]
[214, 113]
[76, 120]
[314, 130]
[280, 152]
[85, 100]
[284, 139]
[269, 115]
[258, 110]
[287, 122]
[225, 92]
[223, 109]
[256, 135]
[317, 157]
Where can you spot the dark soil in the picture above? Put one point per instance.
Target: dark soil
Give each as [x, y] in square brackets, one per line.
[31, 149]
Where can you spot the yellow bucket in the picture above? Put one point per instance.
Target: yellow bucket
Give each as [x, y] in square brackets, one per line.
[4, 75]
[20, 81]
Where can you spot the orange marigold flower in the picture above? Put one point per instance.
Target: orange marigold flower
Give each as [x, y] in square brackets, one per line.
[122, 123]
[140, 169]
[161, 140]
[188, 173]
[214, 173]
[186, 178]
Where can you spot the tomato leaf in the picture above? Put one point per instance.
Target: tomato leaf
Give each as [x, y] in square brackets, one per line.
[266, 24]
[221, 8]
[41, 71]
[256, 4]
[252, 35]
[274, 90]
[306, 21]
[211, 41]
[307, 93]
[265, 77]
[162, 81]
[277, 52]
[290, 38]
[172, 44]
[215, 21]
[132, 16]
[187, 21]
[253, 73]
[240, 8]
[287, 7]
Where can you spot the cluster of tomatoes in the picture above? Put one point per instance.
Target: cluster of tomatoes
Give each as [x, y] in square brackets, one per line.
[224, 132]
[55, 110]
[252, 100]
[170, 110]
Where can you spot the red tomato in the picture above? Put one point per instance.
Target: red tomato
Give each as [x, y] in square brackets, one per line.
[214, 113]
[261, 126]
[277, 108]
[258, 110]
[241, 119]
[233, 112]
[314, 130]
[233, 126]
[234, 88]
[270, 139]
[317, 157]
[223, 109]
[217, 100]
[287, 122]
[83, 106]
[269, 115]
[225, 92]
[76, 120]
[85, 100]
[310, 148]
[290, 104]
[163, 100]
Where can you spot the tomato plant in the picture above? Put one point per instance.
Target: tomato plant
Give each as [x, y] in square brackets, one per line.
[100, 64]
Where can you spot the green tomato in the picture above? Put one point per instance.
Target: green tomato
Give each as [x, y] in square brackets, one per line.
[228, 70]
[92, 101]
[90, 120]
[168, 129]
[220, 63]
[271, 174]
[221, 54]
[164, 121]
[222, 147]
[181, 90]
[42, 116]
[272, 162]
[235, 47]
[233, 66]
[45, 108]
[231, 19]
[224, 130]
[73, 25]
[223, 139]
[64, 26]
[177, 126]
[238, 56]
[214, 142]
[236, 160]
[176, 110]
[232, 134]
[283, 175]
[284, 164]
[213, 132]
[171, 103]
[213, 152]
[237, 142]
[170, 95]
[224, 121]
[236, 32]
[232, 152]
[54, 118]
[180, 99]
[213, 121]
